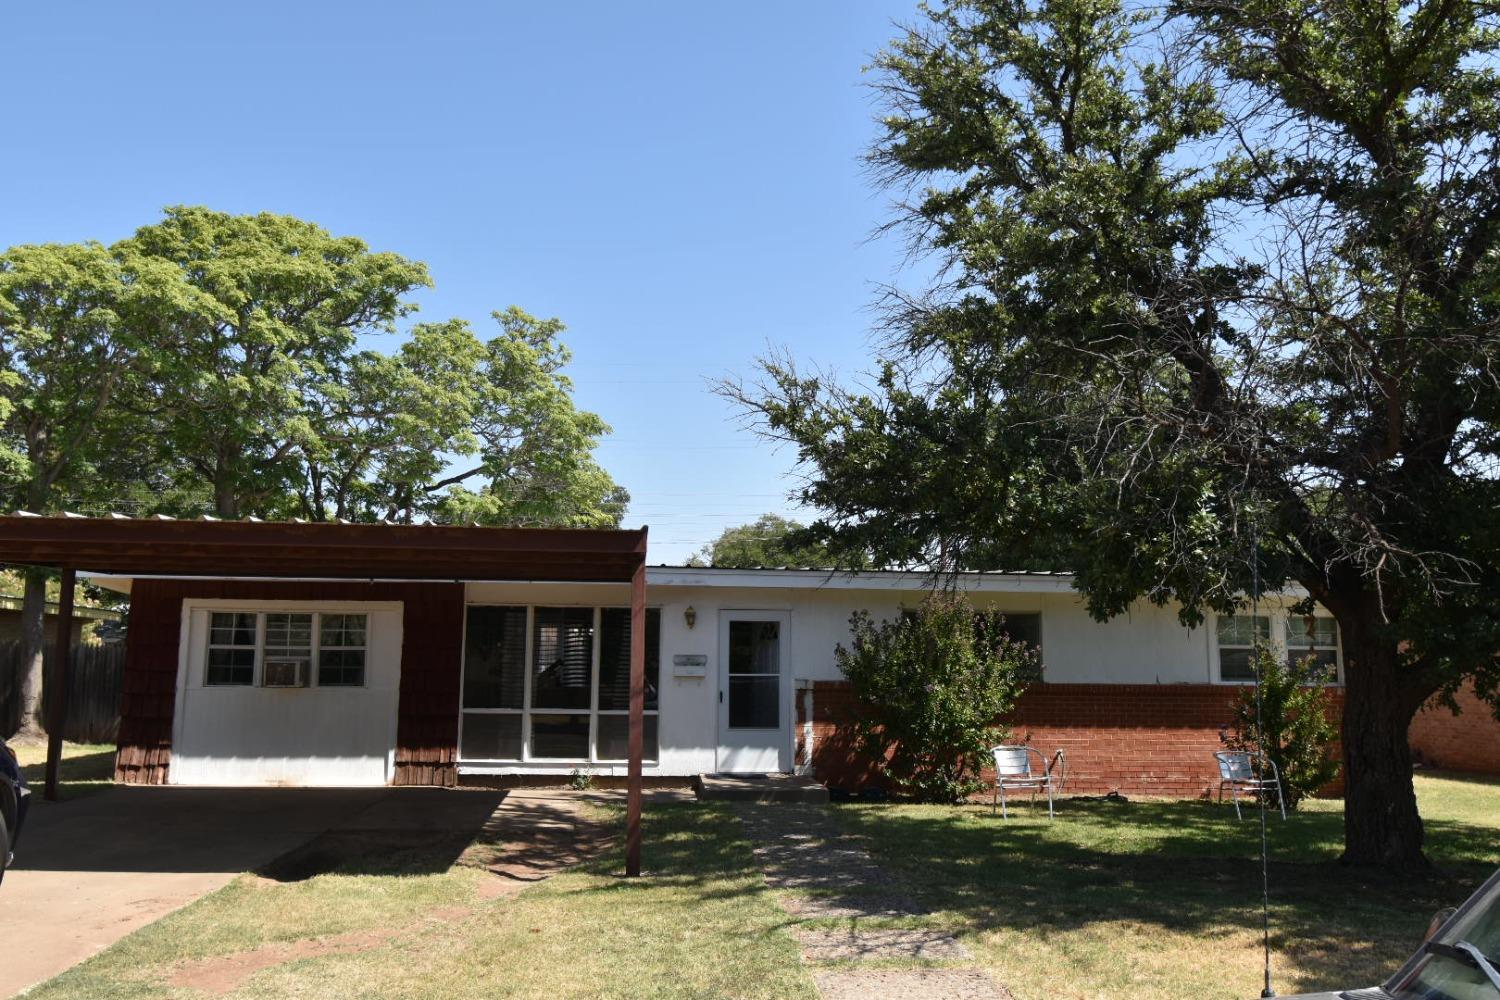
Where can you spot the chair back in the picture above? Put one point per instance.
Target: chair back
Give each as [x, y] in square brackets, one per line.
[1012, 762]
[1235, 766]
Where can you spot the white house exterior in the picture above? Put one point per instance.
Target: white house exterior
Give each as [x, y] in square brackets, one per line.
[277, 683]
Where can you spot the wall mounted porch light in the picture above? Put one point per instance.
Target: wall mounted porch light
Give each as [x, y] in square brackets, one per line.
[690, 617]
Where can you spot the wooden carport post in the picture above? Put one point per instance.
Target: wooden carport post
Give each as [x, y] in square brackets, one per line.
[57, 684]
[637, 714]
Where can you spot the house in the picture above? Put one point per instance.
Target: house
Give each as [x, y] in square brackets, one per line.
[347, 660]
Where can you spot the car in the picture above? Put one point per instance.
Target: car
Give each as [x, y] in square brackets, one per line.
[14, 795]
[1459, 960]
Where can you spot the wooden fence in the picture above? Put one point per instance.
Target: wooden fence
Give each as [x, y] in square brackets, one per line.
[93, 690]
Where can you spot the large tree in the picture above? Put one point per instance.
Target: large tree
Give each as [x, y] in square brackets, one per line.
[769, 540]
[387, 438]
[72, 346]
[276, 305]
[1216, 306]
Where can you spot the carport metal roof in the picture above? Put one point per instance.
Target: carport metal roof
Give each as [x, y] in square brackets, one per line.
[277, 549]
[170, 547]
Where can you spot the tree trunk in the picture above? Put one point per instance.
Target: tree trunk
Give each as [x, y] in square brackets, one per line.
[33, 642]
[1381, 823]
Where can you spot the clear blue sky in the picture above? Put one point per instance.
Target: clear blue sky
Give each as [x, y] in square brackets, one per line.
[679, 182]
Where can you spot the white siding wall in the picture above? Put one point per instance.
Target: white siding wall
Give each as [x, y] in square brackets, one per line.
[232, 735]
[1146, 646]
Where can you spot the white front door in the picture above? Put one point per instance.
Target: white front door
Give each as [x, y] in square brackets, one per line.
[754, 682]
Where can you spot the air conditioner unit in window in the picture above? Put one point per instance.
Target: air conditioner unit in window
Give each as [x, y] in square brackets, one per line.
[285, 673]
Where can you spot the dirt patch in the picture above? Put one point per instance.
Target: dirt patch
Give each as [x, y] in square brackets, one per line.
[226, 973]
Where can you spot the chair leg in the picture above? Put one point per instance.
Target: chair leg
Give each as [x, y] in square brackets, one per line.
[995, 801]
[1234, 794]
[1281, 801]
[1050, 813]
[1004, 812]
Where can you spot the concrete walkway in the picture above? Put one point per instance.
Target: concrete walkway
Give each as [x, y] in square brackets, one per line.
[91, 870]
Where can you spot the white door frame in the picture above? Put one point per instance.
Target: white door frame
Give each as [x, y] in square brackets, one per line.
[731, 755]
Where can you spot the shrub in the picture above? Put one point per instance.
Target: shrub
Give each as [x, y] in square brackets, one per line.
[1299, 735]
[930, 688]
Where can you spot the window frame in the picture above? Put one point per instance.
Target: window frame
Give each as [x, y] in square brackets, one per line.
[527, 709]
[315, 648]
[1276, 619]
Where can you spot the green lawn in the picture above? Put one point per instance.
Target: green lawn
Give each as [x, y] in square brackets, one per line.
[1148, 899]
[1162, 899]
[86, 767]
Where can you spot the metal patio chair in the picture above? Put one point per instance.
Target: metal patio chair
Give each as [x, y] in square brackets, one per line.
[1245, 772]
[1025, 769]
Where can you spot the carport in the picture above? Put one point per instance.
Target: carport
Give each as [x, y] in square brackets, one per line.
[333, 552]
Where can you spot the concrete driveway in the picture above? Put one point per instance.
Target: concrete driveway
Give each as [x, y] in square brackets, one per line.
[91, 870]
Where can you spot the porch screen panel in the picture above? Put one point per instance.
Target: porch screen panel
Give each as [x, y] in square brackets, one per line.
[491, 736]
[613, 733]
[564, 658]
[495, 658]
[614, 659]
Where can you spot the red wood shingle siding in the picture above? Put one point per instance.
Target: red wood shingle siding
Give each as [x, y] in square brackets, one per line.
[432, 647]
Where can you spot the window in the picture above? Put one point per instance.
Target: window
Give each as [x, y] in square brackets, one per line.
[231, 648]
[1316, 636]
[1238, 637]
[546, 684]
[341, 651]
[1290, 637]
[282, 644]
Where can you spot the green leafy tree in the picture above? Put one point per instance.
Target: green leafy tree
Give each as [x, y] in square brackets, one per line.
[72, 346]
[533, 448]
[770, 540]
[273, 309]
[1211, 279]
[1297, 726]
[386, 436]
[930, 687]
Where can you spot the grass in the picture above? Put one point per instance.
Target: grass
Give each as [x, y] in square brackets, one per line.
[700, 925]
[1146, 899]
[1162, 899]
[85, 768]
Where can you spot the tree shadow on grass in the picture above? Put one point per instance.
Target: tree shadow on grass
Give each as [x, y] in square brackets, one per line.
[77, 773]
[1186, 868]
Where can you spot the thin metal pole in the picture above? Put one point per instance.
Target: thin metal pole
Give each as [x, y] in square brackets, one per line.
[637, 718]
[1260, 741]
[57, 684]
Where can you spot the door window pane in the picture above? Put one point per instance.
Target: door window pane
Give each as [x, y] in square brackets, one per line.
[491, 736]
[564, 644]
[495, 658]
[564, 736]
[614, 658]
[754, 702]
[614, 737]
[754, 647]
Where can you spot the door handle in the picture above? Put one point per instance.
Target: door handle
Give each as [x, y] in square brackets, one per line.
[721, 697]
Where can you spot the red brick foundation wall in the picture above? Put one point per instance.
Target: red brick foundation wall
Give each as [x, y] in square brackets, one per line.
[432, 644]
[1469, 741]
[1138, 739]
